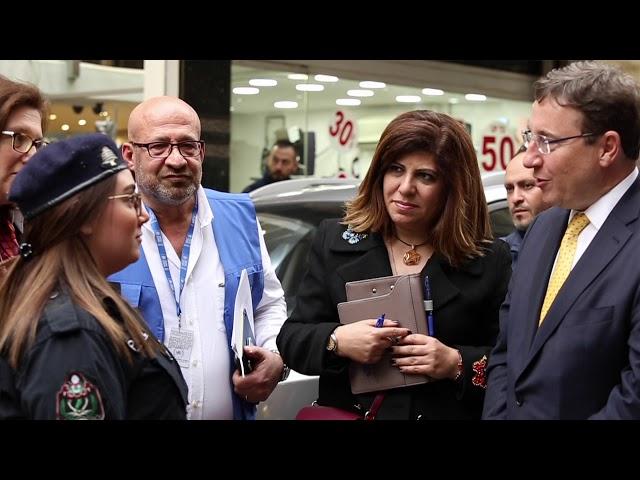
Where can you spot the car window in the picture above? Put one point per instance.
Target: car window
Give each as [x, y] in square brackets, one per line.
[281, 234]
[288, 242]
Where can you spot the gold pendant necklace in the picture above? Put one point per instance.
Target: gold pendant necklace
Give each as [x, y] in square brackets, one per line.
[411, 256]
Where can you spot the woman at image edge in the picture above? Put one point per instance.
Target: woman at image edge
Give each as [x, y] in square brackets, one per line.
[71, 347]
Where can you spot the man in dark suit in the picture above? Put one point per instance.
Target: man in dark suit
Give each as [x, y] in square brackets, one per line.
[575, 354]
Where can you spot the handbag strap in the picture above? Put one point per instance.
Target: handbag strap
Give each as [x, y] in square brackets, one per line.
[374, 408]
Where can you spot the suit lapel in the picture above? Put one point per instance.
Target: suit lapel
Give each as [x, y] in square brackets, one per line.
[607, 243]
[542, 256]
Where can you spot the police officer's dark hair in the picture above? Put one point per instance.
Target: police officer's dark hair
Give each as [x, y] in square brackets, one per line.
[62, 260]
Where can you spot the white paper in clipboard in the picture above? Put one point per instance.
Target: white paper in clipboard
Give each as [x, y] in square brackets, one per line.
[243, 331]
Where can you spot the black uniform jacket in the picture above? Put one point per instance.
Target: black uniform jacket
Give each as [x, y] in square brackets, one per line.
[73, 371]
[466, 303]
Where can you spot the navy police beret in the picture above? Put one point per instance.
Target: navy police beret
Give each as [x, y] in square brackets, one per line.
[63, 169]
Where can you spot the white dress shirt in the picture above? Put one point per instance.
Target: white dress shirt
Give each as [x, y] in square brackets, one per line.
[598, 213]
[202, 306]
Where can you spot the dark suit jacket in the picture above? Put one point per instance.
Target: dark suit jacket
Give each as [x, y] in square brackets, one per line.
[584, 360]
[466, 302]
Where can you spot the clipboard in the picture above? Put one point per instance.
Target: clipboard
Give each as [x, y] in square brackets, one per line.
[400, 298]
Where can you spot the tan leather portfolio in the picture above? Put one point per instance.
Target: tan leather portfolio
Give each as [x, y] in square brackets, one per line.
[399, 298]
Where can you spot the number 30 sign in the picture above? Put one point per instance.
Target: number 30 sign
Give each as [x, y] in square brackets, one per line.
[343, 131]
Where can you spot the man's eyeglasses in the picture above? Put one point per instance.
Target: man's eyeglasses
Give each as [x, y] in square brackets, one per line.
[133, 199]
[22, 143]
[188, 149]
[544, 143]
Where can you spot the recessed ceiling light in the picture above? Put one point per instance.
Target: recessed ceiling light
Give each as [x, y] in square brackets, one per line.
[408, 98]
[360, 93]
[475, 97]
[52, 116]
[432, 91]
[309, 87]
[263, 82]
[368, 84]
[348, 101]
[285, 104]
[297, 76]
[64, 127]
[82, 122]
[246, 90]
[325, 78]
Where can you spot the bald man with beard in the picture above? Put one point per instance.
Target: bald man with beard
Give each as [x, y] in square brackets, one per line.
[194, 250]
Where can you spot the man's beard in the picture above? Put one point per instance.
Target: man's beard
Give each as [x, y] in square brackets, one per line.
[150, 186]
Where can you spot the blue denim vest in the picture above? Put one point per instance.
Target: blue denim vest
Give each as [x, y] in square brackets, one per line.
[236, 235]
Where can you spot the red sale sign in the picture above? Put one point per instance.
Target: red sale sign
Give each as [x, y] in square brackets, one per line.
[343, 131]
[499, 145]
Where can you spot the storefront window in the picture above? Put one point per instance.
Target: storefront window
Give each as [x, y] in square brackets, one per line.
[85, 97]
[336, 122]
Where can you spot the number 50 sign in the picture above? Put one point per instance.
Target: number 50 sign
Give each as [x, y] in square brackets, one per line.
[498, 147]
[342, 131]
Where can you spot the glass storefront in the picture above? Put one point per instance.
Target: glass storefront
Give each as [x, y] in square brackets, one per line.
[333, 111]
[336, 121]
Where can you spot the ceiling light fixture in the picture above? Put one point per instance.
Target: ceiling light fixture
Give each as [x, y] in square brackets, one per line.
[263, 82]
[408, 99]
[246, 91]
[309, 87]
[434, 92]
[360, 93]
[368, 84]
[475, 97]
[325, 78]
[285, 104]
[353, 102]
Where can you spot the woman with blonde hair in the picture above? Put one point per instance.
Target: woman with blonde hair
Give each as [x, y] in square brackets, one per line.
[419, 210]
[70, 346]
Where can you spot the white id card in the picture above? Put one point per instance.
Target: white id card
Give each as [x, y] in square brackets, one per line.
[180, 345]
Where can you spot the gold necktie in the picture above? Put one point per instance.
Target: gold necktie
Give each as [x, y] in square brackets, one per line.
[565, 260]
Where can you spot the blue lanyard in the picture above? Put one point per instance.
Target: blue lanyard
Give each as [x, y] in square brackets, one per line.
[184, 261]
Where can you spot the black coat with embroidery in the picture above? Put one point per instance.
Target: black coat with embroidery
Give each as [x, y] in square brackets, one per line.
[73, 371]
[466, 303]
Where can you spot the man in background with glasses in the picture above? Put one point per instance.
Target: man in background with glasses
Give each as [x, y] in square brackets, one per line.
[23, 111]
[194, 249]
[569, 344]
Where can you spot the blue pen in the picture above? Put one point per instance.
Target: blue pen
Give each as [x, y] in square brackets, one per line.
[428, 306]
[380, 321]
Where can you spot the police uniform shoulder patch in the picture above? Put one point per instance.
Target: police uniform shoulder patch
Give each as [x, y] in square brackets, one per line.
[79, 399]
